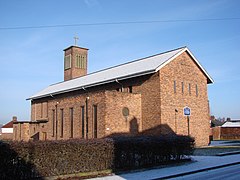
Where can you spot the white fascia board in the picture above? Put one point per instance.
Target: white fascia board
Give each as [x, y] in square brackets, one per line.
[209, 77]
[176, 55]
[169, 60]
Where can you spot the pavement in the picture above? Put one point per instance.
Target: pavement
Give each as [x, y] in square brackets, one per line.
[225, 143]
[198, 164]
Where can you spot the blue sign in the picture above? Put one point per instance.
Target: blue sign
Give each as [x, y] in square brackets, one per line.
[186, 111]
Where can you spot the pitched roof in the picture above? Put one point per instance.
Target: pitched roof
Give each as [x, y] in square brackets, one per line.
[217, 123]
[128, 70]
[8, 125]
[231, 124]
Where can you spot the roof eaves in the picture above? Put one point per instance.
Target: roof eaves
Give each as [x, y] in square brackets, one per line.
[92, 85]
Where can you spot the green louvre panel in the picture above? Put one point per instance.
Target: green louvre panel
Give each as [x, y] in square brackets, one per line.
[81, 61]
[67, 62]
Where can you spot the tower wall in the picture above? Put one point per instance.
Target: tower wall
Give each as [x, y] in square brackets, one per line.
[75, 62]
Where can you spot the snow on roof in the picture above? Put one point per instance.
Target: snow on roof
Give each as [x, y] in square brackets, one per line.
[231, 124]
[235, 119]
[131, 69]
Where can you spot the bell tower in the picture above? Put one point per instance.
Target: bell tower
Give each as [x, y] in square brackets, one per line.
[75, 62]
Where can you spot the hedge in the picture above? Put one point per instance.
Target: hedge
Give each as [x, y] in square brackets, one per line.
[51, 158]
[145, 151]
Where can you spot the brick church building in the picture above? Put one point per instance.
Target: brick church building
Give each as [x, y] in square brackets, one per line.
[147, 95]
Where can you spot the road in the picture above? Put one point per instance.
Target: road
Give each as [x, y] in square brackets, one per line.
[228, 173]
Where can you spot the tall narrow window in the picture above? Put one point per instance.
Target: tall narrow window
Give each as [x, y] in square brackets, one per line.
[62, 121]
[196, 90]
[53, 122]
[182, 87]
[82, 113]
[41, 110]
[71, 122]
[174, 87]
[189, 88]
[95, 120]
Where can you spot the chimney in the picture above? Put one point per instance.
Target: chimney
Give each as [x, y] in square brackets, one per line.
[14, 118]
[75, 62]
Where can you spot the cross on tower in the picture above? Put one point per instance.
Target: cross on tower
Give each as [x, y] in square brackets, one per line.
[75, 40]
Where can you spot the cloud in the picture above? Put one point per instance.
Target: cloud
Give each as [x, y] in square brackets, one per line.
[92, 3]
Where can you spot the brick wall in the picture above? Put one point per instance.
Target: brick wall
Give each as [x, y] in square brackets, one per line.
[75, 72]
[62, 104]
[149, 90]
[115, 121]
[152, 103]
[185, 73]
[42, 111]
[21, 131]
[228, 133]
[109, 114]
[6, 136]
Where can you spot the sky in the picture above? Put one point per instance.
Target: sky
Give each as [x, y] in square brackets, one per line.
[34, 33]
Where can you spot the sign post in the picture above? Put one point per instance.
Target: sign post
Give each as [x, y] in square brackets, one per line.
[187, 112]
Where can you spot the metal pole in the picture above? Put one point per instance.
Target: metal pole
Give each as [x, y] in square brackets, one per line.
[176, 120]
[188, 125]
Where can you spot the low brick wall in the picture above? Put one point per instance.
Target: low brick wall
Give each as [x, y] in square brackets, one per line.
[226, 133]
[230, 133]
[7, 136]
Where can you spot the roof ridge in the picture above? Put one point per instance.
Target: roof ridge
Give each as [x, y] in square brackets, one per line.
[129, 62]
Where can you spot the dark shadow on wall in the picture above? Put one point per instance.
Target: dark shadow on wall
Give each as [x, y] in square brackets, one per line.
[134, 127]
[12, 166]
[163, 130]
[35, 137]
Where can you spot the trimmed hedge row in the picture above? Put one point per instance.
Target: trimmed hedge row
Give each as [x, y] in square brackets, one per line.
[145, 151]
[50, 158]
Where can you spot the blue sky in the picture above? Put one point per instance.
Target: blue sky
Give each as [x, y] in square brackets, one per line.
[32, 58]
